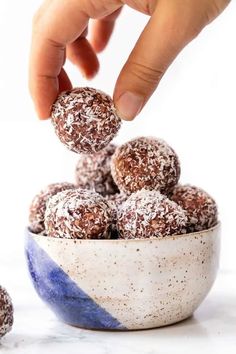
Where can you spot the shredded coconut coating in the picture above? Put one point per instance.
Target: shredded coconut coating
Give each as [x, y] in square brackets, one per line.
[38, 205]
[6, 312]
[94, 172]
[149, 214]
[79, 213]
[200, 207]
[148, 163]
[85, 119]
[115, 201]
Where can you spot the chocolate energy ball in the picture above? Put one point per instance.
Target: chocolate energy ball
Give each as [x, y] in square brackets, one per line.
[148, 214]
[115, 201]
[6, 312]
[78, 214]
[200, 207]
[94, 172]
[148, 163]
[38, 205]
[85, 119]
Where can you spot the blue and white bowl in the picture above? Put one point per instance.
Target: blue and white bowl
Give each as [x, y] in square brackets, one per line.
[124, 284]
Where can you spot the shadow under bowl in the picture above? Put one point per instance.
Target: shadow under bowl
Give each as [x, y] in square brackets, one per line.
[124, 284]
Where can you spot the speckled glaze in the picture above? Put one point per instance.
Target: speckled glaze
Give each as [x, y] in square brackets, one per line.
[124, 284]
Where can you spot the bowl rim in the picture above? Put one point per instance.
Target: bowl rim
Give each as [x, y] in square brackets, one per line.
[150, 240]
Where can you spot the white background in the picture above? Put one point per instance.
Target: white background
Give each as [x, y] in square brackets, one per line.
[193, 109]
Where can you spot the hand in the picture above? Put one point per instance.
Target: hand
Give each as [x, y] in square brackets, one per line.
[60, 29]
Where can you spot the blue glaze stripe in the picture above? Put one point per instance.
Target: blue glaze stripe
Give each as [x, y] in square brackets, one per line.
[63, 295]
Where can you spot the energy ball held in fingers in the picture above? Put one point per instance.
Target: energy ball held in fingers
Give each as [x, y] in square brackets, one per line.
[78, 214]
[85, 119]
[6, 312]
[200, 207]
[147, 214]
[148, 163]
[38, 205]
[93, 171]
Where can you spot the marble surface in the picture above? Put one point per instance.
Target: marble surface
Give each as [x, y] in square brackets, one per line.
[212, 329]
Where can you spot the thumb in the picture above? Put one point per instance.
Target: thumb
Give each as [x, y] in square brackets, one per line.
[167, 32]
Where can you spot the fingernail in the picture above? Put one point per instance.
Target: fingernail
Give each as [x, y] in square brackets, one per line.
[129, 105]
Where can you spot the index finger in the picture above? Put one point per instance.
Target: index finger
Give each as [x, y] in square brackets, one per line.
[58, 24]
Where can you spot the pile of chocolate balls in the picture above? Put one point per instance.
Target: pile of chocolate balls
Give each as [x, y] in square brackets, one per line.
[125, 192]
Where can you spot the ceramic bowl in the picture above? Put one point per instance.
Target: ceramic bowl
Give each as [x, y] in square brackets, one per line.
[124, 284]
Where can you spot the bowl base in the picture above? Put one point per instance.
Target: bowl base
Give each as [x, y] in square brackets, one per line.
[171, 323]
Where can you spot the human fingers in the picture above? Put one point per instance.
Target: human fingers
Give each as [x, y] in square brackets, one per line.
[101, 31]
[52, 30]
